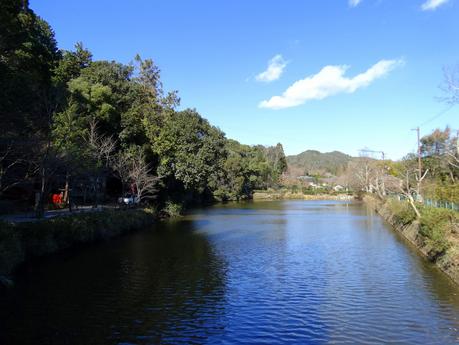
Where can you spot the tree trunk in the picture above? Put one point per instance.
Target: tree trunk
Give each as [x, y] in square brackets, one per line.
[66, 189]
[411, 201]
[39, 197]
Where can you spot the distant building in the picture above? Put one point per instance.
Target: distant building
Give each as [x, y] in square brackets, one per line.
[338, 188]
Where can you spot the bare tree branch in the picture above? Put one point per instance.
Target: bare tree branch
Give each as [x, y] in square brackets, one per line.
[140, 174]
[6, 165]
[102, 147]
[451, 84]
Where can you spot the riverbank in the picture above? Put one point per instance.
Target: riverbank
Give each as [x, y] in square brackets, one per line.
[24, 241]
[435, 234]
[286, 195]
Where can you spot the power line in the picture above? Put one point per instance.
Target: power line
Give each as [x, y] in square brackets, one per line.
[443, 112]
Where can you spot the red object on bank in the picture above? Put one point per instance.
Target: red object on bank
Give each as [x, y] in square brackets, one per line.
[57, 199]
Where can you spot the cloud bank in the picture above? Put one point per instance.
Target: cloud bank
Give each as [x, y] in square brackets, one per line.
[431, 5]
[274, 71]
[328, 82]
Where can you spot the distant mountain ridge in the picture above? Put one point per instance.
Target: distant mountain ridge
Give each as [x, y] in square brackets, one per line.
[312, 162]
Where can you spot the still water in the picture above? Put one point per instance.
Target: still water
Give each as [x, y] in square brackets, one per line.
[290, 272]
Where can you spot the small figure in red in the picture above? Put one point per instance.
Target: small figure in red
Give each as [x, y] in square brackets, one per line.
[57, 199]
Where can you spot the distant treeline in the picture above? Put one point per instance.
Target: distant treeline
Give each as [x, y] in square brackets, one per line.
[313, 163]
[85, 127]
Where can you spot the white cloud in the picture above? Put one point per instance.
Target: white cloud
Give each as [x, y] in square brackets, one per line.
[354, 3]
[274, 71]
[431, 5]
[328, 82]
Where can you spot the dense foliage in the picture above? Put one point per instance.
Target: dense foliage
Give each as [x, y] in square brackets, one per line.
[87, 127]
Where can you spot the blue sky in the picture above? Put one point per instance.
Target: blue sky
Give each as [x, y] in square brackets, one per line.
[344, 74]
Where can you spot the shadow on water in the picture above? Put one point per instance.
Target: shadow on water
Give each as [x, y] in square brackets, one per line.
[145, 288]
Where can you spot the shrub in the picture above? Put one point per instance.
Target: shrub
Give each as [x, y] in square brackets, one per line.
[173, 209]
[309, 191]
[402, 211]
[442, 191]
[436, 225]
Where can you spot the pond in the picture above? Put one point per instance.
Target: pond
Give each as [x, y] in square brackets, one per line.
[278, 272]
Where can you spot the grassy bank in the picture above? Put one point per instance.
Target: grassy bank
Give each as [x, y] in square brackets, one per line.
[435, 233]
[24, 241]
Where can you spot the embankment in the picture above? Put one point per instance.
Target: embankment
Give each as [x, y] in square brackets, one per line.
[434, 234]
[24, 241]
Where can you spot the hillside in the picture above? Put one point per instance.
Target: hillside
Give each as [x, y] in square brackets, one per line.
[313, 162]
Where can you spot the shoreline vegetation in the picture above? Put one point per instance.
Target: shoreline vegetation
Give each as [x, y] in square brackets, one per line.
[21, 242]
[435, 233]
[288, 195]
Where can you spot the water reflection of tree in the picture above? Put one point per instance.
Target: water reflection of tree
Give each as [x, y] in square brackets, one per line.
[164, 285]
[182, 285]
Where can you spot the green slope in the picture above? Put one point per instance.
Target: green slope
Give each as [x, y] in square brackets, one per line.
[313, 162]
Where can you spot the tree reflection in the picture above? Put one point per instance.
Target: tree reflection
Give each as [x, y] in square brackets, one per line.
[144, 288]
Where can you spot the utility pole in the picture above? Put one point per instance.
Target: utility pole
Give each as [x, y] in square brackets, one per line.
[419, 151]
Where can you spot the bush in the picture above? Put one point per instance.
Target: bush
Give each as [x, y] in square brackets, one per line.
[442, 191]
[312, 191]
[402, 211]
[436, 225]
[173, 209]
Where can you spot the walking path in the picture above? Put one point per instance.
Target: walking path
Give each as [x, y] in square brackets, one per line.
[30, 216]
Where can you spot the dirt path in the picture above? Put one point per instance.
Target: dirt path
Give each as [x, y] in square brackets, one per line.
[30, 216]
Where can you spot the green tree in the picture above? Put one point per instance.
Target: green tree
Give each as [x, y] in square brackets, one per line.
[28, 54]
[190, 150]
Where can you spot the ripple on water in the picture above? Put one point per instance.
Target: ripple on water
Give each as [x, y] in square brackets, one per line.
[295, 272]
